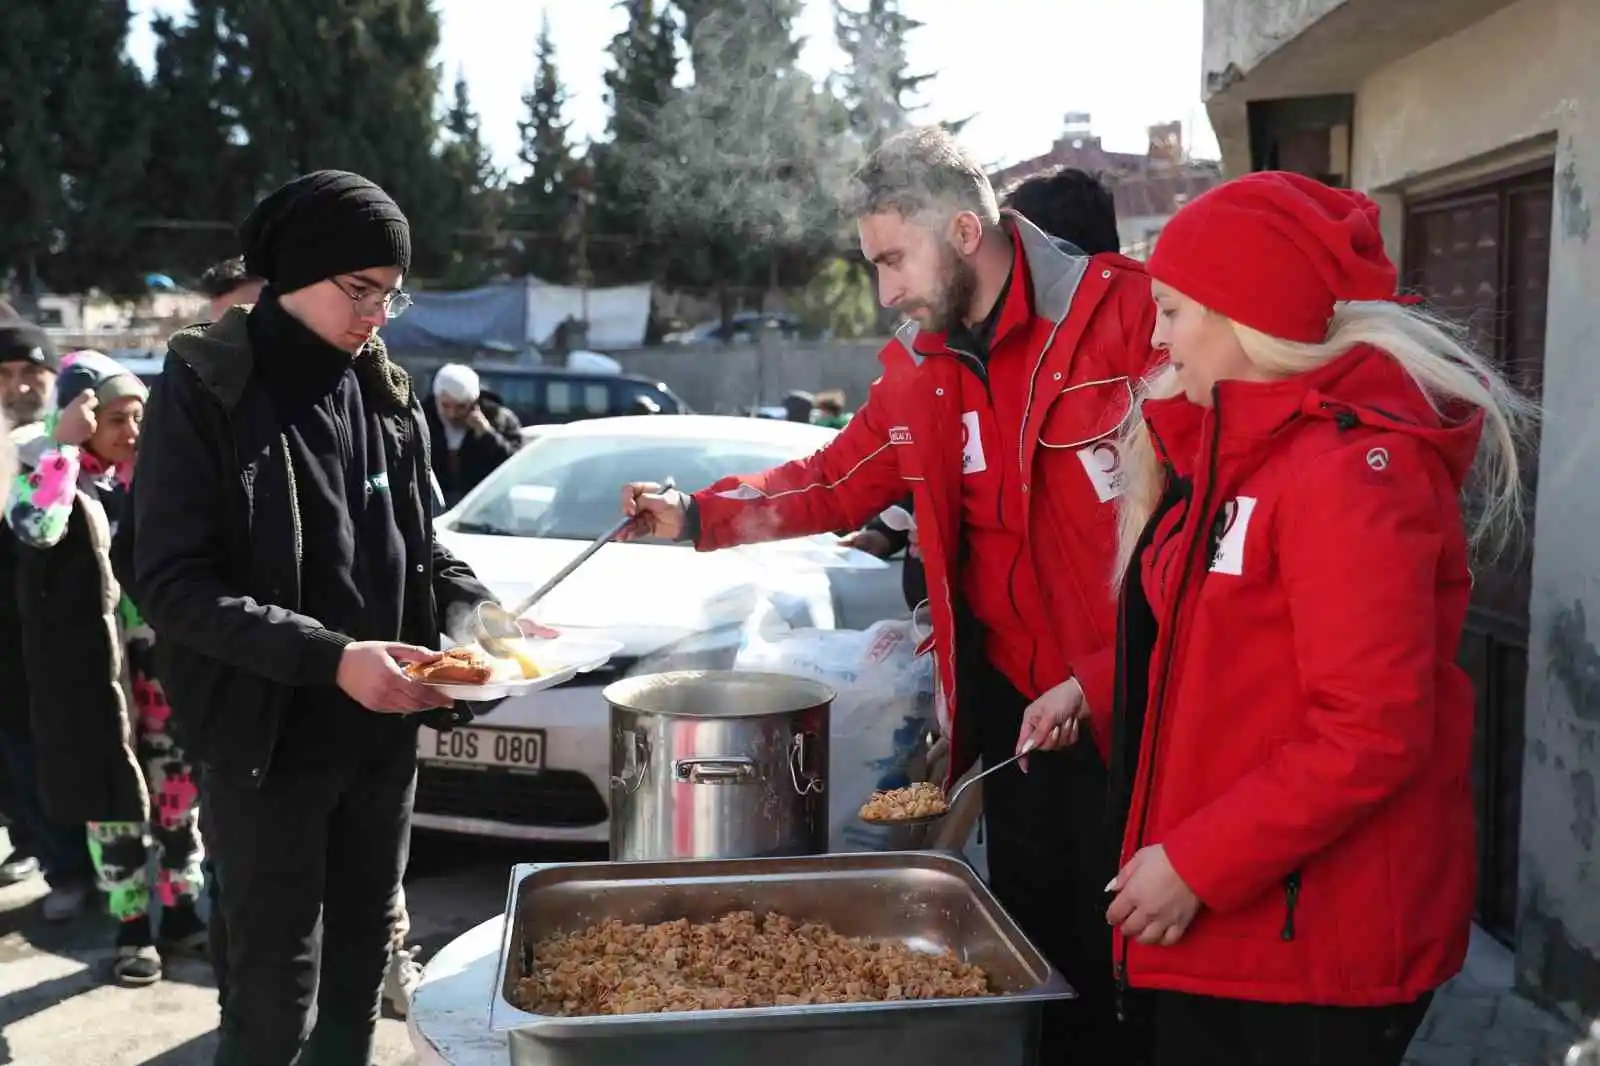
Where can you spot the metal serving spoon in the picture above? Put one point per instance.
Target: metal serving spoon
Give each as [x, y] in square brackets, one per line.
[496, 627]
[950, 801]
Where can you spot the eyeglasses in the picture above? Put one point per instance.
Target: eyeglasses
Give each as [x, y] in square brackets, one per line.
[392, 302]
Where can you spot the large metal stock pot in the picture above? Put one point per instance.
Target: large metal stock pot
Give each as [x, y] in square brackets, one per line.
[718, 765]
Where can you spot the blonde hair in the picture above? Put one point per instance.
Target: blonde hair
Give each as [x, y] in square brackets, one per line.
[1433, 351]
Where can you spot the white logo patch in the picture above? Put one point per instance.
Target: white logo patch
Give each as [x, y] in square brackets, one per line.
[1378, 458]
[1229, 558]
[1103, 463]
[899, 435]
[972, 460]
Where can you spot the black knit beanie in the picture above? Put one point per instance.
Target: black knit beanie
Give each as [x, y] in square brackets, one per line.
[23, 342]
[322, 224]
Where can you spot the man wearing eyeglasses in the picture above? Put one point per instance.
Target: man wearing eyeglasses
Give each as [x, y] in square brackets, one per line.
[284, 553]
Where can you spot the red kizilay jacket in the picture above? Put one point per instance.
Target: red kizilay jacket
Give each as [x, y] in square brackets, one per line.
[1091, 326]
[1287, 680]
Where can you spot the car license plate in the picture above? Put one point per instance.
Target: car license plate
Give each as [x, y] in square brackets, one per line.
[504, 749]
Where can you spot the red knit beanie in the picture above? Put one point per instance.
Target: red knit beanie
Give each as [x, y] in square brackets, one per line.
[1275, 251]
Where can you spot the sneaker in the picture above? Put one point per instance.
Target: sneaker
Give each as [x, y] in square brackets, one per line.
[400, 983]
[136, 965]
[65, 902]
[18, 868]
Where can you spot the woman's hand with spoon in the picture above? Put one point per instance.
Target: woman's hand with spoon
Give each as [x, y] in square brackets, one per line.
[1051, 721]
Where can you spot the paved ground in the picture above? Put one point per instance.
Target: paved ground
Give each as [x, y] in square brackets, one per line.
[1477, 1020]
[56, 1010]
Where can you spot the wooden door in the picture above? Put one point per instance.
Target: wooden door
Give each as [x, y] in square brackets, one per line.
[1482, 256]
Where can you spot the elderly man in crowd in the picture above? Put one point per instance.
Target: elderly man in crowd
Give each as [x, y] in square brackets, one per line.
[472, 433]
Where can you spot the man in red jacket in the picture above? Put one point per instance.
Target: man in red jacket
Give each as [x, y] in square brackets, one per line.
[997, 408]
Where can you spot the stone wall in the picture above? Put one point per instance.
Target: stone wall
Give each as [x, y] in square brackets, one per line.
[723, 379]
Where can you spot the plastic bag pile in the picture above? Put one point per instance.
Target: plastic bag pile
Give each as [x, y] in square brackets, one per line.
[880, 723]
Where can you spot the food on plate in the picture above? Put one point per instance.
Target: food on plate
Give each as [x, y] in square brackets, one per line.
[458, 666]
[924, 799]
[739, 960]
[525, 663]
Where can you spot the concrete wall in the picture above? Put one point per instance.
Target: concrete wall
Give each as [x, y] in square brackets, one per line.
[1526, 80]
[727, 378]
[1277, 49]
[1239, 34]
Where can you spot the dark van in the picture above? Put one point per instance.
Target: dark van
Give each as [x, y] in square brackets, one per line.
[546, 395]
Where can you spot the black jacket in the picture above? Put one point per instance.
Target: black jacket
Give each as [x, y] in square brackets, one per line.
[219, 542]
[13, 672]
[71, 639]
[480, 453]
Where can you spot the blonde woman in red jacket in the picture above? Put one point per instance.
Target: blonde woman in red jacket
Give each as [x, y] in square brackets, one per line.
[1290, 731]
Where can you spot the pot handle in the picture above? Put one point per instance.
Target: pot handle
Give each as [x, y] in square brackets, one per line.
[715, 770]
[637, 766]
[797, 767]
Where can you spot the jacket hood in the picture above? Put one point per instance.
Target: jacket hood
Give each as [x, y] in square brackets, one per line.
[221, 355]
[1363, 387]
[1368, 385]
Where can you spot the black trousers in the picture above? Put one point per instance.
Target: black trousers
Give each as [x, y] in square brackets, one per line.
[1049, 860]
[1201, 1031]
[216, 921]
[62, 851]
[308, 869]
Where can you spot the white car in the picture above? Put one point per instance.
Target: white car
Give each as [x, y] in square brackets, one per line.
[538, 767]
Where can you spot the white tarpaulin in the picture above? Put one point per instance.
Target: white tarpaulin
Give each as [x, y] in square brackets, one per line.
[618, 317]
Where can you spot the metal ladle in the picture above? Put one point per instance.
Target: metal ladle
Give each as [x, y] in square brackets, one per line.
[497, 629]
[950, 801]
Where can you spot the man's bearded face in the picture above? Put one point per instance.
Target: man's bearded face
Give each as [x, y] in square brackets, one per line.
[24, 390]
[920, 273]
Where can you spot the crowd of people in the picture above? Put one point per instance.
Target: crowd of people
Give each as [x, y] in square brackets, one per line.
[1190, 536]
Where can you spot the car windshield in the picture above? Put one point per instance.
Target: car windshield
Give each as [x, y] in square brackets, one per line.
[570, 487]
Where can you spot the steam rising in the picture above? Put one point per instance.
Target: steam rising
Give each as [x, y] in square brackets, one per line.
[459, 624]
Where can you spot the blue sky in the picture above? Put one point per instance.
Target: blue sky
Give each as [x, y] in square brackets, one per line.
[1020, 68]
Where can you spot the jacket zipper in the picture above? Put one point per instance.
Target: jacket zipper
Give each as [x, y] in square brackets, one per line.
[1201, 541]
[1000, 501]
[1027, 409]
[294, 513]
[1291, 899]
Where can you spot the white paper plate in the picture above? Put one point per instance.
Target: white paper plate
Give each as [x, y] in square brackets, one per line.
[561, 659]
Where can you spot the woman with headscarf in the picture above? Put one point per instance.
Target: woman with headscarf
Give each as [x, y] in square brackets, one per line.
[1291, 736]
[99, 716]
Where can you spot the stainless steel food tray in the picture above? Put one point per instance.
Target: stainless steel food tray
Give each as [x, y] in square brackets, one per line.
[928, 900]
